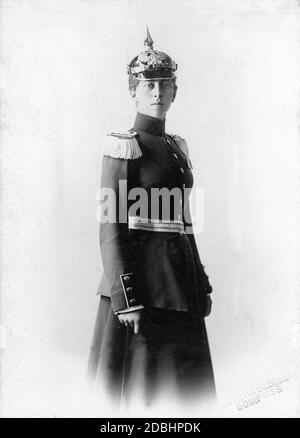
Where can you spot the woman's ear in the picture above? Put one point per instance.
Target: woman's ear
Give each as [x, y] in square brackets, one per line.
[174, 93]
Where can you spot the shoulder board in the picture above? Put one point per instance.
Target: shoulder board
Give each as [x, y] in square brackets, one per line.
[122, 145]
[128, 134]
[182, 144]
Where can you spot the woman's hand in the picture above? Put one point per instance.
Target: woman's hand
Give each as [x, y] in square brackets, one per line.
[131, 319]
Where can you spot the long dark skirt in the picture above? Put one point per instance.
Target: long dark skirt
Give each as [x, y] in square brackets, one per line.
[170, 350]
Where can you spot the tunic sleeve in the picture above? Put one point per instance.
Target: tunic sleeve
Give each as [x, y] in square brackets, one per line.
[203, 278]
[118, 281]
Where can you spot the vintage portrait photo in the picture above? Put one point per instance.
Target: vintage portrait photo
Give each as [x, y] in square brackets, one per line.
[150, 209]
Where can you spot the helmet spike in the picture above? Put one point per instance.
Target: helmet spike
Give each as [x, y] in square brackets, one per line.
[148, 41]
[151, 64]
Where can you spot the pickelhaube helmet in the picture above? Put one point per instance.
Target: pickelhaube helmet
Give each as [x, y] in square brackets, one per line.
[151, 64]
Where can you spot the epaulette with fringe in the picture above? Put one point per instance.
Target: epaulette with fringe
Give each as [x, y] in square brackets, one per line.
[182, 144]
[122, 145]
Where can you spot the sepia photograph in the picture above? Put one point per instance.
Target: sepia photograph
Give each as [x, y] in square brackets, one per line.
[150, 209]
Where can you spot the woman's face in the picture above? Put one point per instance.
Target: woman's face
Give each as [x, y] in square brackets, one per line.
[154, 97]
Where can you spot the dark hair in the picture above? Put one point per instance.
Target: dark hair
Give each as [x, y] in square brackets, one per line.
[133, 82]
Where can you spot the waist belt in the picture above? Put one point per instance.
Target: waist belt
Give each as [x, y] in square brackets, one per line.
[167, 226]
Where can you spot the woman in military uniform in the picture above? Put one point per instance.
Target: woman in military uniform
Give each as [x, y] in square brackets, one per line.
[150, 335]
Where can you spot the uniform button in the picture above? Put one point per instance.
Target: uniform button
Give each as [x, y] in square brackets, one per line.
[126, 278]
[132, 302]
[168, 141]
[129, 289]
[175, 155]
[181, 169]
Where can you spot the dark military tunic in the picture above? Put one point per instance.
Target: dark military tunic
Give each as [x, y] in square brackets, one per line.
[154, 267]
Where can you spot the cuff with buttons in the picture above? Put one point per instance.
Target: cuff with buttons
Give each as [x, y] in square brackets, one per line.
[129, 290]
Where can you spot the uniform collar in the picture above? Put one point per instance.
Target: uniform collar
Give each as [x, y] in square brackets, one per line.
[149, 124]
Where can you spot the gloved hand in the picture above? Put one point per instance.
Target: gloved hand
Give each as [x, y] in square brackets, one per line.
[131, 319]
